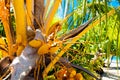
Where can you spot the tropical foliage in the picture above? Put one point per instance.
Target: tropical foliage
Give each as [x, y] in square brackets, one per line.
[57, 39]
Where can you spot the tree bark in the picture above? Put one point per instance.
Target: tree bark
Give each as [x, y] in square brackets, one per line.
[22, 65]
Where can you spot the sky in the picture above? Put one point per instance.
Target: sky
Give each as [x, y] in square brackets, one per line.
[114, 3]
[62, 12]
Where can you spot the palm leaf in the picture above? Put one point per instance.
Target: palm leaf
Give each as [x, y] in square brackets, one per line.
[74, 40]
[51, 15]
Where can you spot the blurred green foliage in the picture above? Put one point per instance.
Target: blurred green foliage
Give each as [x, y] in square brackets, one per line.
[2, 33]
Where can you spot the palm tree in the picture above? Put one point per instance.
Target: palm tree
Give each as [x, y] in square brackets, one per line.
[37, 38]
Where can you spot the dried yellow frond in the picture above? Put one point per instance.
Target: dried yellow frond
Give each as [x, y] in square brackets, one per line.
[20, 20]
[14, 48]
[51, 14]
[3, 47]
[19, 39]
[2, 42]
[4, 53]
[78, 76]
[53, 28]
[20, 48]
[4, 15]
[35, 43]
[43, 49]
[29, 7]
